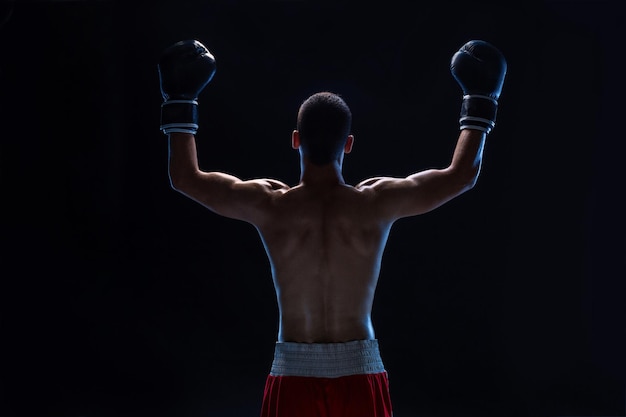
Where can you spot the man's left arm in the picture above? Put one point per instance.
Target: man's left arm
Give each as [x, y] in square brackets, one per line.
[222, 193]
[185, 68]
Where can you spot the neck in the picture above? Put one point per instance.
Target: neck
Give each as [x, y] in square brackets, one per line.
[329, 174]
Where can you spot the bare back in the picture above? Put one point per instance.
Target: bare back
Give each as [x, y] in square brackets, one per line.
[325, 239]
[325, 248]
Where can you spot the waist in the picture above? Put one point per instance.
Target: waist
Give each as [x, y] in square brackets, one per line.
[335, 328]
[327, 360]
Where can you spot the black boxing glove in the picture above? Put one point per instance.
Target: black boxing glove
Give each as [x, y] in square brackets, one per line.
[479, 68]
[185, 68]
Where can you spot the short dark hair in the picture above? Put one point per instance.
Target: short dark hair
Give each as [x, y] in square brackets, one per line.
[324, 123]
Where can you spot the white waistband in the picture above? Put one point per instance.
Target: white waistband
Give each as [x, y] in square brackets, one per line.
[327, 360]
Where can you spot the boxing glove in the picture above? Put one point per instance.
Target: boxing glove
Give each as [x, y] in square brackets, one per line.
[185, 68]
[479, 68]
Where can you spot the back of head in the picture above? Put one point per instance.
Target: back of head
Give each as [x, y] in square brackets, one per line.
[324, 123]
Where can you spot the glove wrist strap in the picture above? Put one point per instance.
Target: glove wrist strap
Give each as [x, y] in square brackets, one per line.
[179, 116]
[478, 112]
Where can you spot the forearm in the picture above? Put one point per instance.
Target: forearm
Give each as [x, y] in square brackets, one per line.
[468, 155]
[182, 159]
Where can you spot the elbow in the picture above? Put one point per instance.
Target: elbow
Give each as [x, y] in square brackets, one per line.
[182, 175]
[471, 182]
[179, 182]
[175, 180]
[468, 178]
[175, 183]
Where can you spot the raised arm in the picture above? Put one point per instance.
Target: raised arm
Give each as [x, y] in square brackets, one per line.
[222, 193]
[480, 69]
[185, 69]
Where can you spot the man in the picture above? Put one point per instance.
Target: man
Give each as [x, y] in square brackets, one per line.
[325, 238]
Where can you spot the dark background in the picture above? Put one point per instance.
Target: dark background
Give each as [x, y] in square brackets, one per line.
[120, 297]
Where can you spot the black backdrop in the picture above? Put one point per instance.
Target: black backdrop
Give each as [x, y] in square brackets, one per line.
[120, 297]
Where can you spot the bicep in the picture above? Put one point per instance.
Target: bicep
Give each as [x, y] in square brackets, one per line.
[416, 194]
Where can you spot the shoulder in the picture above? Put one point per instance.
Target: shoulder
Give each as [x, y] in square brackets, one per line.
[368, 182]
[266, 185]
[378, 183]
[274, 184]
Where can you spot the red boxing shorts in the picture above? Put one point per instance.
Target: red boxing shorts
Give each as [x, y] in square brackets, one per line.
[327, 380]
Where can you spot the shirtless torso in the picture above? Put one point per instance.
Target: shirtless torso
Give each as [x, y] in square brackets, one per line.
[325, 246]
[324, 238]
